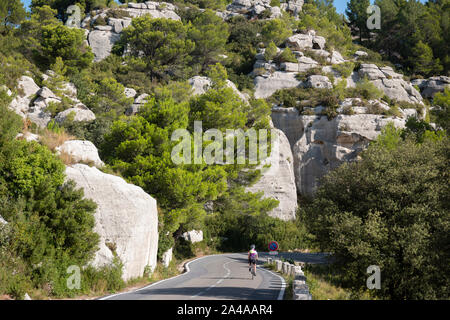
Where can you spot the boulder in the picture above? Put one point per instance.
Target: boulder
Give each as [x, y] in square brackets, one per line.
[27, 136]
[103, 28]
[359, 54]
[130, 92]
[300, 41]
[46, 93]
[102, 42]
[126, 220]
[318, 42]
[193, 236]
[202, 84]
[81, 151]
[167, 257]
[293, 6]
[429, 87]
[336, 58]
[80, 114]
[318, 81]
[138, 102]
[266, 86]
[278, 182]
[392, 83]
[27, 87]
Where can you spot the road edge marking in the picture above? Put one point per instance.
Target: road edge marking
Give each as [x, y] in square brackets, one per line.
[186, 267]
[283, 284]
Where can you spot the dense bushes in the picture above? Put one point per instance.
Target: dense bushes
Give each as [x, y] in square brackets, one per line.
[391, 210]
[412, 33]
[242, 219]
[50, 225]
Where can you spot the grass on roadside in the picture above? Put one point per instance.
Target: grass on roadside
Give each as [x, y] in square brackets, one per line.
[289, 290]
[323, 283]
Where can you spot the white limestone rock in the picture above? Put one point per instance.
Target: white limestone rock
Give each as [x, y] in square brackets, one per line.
[324, 144]
[28, 136]
[392, 83]
[81, 151]
[193, 236]
[167, 257]
[80, 114]
[278, 181]
[318, 81]
[201, 84]
[102, 42]
[336, 58]
[429, 87]
[130, 92]
[266, 86]
[126, 219]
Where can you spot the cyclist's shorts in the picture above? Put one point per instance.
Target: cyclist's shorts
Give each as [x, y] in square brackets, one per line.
[252, 261]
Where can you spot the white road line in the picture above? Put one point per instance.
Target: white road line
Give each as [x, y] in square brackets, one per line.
[218, 282]
[283, 284]
[158, 282]
[280, 296]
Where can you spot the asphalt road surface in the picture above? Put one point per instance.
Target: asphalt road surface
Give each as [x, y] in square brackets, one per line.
[223, 276]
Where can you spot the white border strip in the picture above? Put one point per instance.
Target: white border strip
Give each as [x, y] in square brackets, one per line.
[186, 266]
[283, 284]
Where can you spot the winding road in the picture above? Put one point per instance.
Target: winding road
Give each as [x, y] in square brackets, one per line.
[224, 277]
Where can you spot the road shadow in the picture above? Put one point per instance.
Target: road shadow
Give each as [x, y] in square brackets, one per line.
[234, 293]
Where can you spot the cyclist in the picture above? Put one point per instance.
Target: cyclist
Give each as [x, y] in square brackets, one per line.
[252, 258]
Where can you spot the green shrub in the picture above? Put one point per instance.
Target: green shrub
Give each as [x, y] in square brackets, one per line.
[345, 68]
[100, 21]
[271, 51]
[366, 90]
[287, 56]
[400, 226]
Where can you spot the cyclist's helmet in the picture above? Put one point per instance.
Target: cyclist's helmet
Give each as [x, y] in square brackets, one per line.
[252, 247]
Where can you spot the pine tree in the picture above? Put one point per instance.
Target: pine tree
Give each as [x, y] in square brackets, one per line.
[357, 16]
[12, 13]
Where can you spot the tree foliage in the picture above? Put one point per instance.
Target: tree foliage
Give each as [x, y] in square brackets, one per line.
[391, 210]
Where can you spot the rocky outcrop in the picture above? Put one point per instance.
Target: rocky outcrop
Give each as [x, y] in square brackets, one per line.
[392, 83]
[81, 151]
[102, 43]
[193, 236]
[278, 181]
[138, 102]
[28, 136]
[101, 38]
[293, 6]
[266, 85]
[202, 84]
[78, 113]
[27, 89]
[319, 145]
[253, 9]
[429, 87]
[317, 81]
[32, 102]
[167, 257]
[303, 41]
[3, 221]
[126, 219]
[250, 9]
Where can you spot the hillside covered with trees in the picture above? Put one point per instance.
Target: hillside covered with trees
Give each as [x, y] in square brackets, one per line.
[363, 117]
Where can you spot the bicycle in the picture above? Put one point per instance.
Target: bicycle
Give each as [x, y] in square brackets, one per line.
[253, 271]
